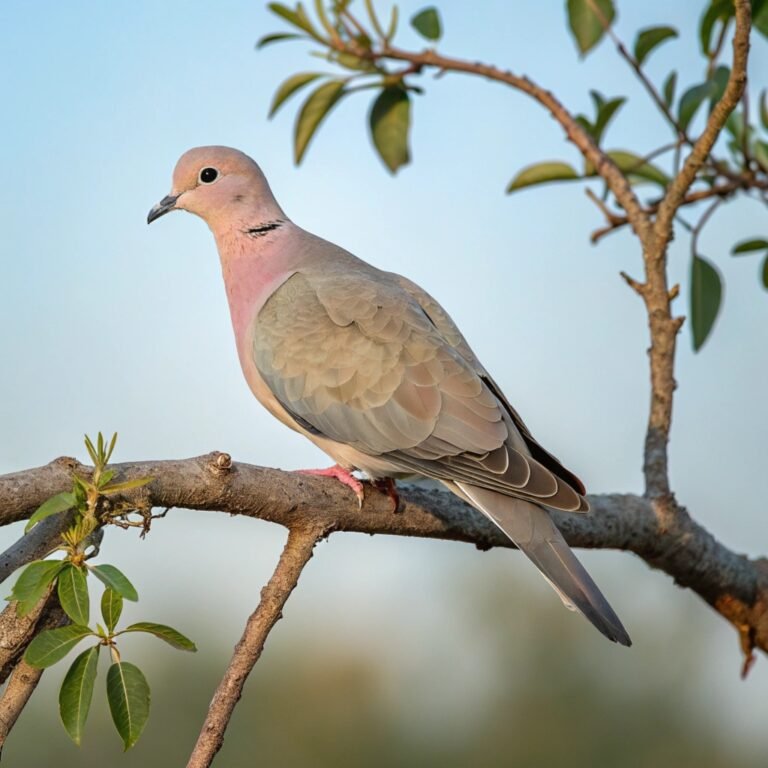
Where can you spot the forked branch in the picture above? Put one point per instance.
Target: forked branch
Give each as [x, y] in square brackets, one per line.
[296, 554]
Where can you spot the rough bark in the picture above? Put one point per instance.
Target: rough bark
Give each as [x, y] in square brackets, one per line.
[298, 550]
[734, 585]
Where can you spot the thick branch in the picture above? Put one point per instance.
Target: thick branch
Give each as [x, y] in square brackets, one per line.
[663, 326]
[297, 552]
[15, 634]
[734, 585]
[20, 687]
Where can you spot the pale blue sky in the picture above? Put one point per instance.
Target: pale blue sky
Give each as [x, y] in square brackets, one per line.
[111, 325]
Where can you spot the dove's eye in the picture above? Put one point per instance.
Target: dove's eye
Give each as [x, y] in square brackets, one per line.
[208, 175]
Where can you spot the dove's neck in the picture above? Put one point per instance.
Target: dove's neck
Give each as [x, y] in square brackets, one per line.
[255, 261]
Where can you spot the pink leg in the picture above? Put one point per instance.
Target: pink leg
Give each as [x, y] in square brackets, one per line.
[342, 475]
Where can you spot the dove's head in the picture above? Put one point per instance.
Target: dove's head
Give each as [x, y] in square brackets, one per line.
[221, 185]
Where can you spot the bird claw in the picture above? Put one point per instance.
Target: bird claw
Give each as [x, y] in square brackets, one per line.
[344, 476]
[387, 485]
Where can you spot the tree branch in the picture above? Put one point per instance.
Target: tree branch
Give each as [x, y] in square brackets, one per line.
[20, 687]
[297, 552]
[725, 190]
[15, 634]
[635, 65]
[605, 167]
[734, 585]
[703, 146]
[656, 295]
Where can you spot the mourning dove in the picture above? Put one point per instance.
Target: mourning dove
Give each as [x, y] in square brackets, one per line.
[370, 368]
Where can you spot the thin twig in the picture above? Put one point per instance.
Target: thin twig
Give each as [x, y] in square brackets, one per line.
[702, 222]
[610, 216]
[737, 79]
[635, 64]
[616, 222]
[635, 285]
[298, 550]
[714, 54]
[653, 154]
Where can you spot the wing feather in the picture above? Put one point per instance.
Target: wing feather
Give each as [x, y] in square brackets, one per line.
[378, 365]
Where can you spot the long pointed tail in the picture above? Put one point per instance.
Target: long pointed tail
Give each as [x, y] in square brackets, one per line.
[531, 528]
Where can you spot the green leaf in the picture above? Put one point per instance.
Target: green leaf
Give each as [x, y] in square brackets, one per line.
[111, 448]
[263, 42]
[717, 84]
[648, 39]
[392, 28]
[73, 593]
[765, 273]
[111, 608]
[298, 17]
[587, 26]
[690, 102]
[61, 502]
[760, 16]
[77, 691]
[761, 152]
[719, 10]
[427, 23]
[390, 120]
[542, 173]
[637, 169]
[52, 645]
[314, 110]
[32, 584]
[764, 109]
[585, 124]
[350, 61]
[106, 477]
[735, 127]
[116, 580]
[289, 87]
[169, 634]
[128, 695]
[748, 246]
[128, 485]
[669, 88]
[323, 16]
[89, 446]
[605, 111]
[706, 294]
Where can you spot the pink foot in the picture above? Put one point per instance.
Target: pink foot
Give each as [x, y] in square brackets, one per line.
[343, 476]
[387, 485]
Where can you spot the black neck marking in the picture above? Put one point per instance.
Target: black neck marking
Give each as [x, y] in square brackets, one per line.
[264, 229]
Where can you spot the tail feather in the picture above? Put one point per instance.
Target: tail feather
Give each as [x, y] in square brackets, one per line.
[532, 529]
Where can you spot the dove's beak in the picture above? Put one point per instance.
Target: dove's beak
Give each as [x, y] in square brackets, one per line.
[168, 203]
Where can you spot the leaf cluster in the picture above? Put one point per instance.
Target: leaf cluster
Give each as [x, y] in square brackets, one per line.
[346, 43]
[128, 692]
[362, 51]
